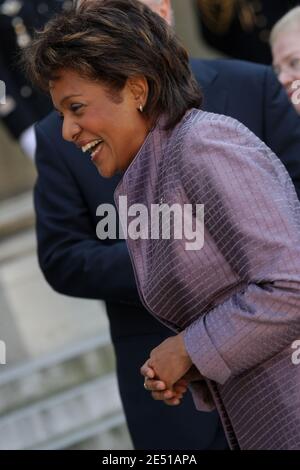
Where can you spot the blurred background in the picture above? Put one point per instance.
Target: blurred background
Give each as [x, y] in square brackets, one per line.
[58, 387]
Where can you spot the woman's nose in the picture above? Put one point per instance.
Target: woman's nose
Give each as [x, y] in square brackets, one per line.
[70, 129]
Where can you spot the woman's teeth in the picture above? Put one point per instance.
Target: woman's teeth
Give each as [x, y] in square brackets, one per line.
[93, 154]
[90, 145]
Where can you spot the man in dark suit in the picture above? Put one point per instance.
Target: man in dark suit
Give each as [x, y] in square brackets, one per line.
[74, 262]
[24, 105]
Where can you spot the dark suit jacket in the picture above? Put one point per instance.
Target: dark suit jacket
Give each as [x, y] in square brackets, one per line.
[76, 263]
[33, 105]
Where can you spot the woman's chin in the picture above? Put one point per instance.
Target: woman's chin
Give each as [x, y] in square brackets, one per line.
[105, 172]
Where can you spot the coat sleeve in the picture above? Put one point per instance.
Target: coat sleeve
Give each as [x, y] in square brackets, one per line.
[282, 126]
[73, 260]
[252, 215]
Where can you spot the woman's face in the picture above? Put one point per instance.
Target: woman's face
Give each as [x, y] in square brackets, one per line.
[115, 129]
[286, 60]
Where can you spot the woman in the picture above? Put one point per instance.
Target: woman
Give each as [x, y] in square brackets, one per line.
[121, 82]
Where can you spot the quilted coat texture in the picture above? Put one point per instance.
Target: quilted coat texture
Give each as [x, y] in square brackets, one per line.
[237, 299]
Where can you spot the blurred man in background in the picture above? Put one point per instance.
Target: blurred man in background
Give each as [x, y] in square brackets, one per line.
[285, 45]
[24, 105]
[74, 262]
[241, 28]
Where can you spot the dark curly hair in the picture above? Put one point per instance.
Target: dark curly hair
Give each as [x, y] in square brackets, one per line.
[111, 40]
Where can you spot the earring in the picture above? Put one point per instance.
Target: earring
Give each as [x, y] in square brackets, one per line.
[141, 108]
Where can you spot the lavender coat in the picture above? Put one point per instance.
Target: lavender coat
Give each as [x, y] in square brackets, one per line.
[238, 298]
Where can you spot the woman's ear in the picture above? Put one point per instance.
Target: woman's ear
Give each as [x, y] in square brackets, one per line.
[165, 11]
[139, 89]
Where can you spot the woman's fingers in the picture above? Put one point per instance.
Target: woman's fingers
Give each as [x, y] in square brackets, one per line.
[180, 387]
[154, 385]
[166, 395]
[175, 393]
[147, 371]
[158, 388]
[161, 396]
[173, 402]
[160, 392]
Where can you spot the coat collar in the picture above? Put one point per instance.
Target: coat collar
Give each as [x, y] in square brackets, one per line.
[204, 72]
[215, 93]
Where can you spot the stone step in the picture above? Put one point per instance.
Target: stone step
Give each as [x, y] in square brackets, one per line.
[17, 172]
[16, 214]
[38, 379]
[16, 246]
[108, 433]
[54, 420]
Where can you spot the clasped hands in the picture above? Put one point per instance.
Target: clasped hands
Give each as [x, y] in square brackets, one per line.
[169, 370]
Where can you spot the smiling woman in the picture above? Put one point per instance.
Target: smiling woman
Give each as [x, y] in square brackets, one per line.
[121, 81]
[102, 65]
[109, 128]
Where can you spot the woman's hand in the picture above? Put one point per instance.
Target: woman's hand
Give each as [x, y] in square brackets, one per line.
[166, 369]
[173, 396]
[169, 360]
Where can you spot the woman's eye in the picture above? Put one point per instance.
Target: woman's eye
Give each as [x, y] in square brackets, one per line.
[75, 107]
